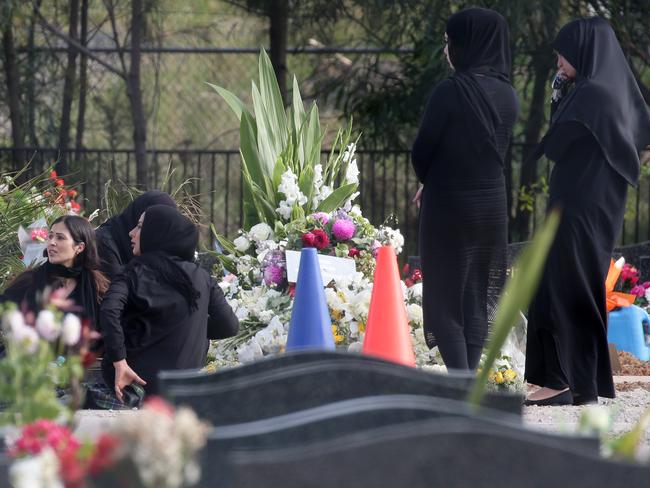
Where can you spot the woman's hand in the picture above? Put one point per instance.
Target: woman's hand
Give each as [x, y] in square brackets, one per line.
[124, 376]
[417, 199]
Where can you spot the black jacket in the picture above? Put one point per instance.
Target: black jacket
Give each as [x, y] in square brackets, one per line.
[151, 326]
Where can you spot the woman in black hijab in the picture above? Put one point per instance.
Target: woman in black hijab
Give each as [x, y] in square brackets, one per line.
[599, 125]
[113, 242]
[160, 312]
[71, 269]
[458, 157]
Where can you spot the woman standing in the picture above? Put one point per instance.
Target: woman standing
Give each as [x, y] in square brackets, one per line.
[599, 125]
[113, 241]
[71, 269]
[458, 157]
[160, 312]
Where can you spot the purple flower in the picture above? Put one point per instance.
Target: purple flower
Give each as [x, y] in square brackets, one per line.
[322, 217]
[638, 291]
[343, 229]
[273, 275]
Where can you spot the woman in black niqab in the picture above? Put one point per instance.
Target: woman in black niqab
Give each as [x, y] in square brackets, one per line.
[458, 157]
[113, 242]
[599, 125]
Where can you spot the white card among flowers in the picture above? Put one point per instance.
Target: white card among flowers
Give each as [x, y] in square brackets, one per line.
[331, 267]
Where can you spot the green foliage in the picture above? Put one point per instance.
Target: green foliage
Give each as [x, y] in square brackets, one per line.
[22, 202]
[517, 295]
[273, 142]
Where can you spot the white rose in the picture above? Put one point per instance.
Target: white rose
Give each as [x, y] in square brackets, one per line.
[71, 331]
[416, 290]
[13, 321]
[249, 352]
[26, 336]
[241, 244]
[415, 313]
[260, 232]
[47, 326]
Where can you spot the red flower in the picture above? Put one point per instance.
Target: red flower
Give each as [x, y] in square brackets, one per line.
[59, 182]
[408, 282]
[406, 269]
[72, 193]
[47, 194]
[103, 454]
[354, 252]
[308, 239]
[88, 359]
[292, 290]
[75, 206]
[159, 405]
[417, 275]
[53, 175]
[321, 241]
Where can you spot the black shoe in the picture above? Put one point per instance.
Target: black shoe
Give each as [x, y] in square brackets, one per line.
[564, 398]
[579, 399]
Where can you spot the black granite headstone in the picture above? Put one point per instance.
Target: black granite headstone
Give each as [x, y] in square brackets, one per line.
[340, 419]
[445, 452]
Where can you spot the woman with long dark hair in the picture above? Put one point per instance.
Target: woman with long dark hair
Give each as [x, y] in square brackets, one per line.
[160, 312]
[71, 269]
[599, 125]
[113, 241]
[459, 158]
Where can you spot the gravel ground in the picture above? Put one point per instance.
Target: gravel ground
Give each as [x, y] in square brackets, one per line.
[626, 410]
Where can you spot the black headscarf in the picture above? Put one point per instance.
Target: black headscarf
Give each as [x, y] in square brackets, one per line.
[120, 225]
[606, 98]
[478, 44]
[166, 237]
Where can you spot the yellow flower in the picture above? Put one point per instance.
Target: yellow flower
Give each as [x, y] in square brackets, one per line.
[337, 314]
[338, 339]
[509, 374]
[341, 295]
[498, 378]
[362, 327]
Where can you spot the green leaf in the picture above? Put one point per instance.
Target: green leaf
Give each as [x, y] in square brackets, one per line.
[313, 138]
[337, 198]
[517, 296]
[272, 99]
[224, 241]
[298, 107]
[306, 185]
[231, 99]
[228, 263]
[248, 143]
[265, 134]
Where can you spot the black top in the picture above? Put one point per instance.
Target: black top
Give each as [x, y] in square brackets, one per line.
[606, 98]
[27, 291]
[113, 241]
[441, 150]
[150, 324]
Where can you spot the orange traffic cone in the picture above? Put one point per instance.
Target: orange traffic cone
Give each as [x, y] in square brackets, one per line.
[387, 331]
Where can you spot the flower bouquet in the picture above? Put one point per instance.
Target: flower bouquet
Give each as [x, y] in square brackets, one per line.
[292, 200]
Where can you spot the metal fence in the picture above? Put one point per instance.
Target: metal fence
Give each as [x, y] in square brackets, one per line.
[387, 185]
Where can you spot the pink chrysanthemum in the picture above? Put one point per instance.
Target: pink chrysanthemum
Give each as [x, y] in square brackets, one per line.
[343, 229]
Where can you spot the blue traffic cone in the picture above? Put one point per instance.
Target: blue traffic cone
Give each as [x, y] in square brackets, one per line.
[310, 326]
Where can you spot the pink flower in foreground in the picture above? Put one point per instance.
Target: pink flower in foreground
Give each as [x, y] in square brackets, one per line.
[638, 291]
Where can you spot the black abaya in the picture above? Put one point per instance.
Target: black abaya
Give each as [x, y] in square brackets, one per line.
[597, 130]
[567, 331]
[458, 156]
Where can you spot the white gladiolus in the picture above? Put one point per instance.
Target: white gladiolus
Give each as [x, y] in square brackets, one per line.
[242, 244]
[352, 172]
[47, 326]
[71, 331]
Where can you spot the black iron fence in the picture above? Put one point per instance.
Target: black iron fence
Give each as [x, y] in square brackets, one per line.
[387, 185]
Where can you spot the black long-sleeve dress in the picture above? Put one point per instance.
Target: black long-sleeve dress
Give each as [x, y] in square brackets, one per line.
[567, 328]
[150, 324]
[463, 219]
